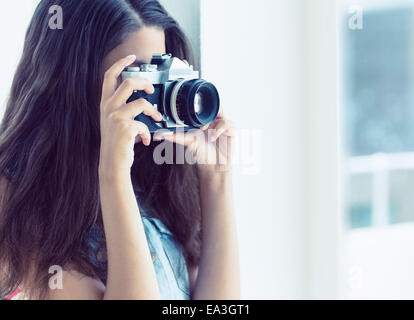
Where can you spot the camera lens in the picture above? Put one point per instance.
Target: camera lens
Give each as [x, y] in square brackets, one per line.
[199, 103]
[194, 103]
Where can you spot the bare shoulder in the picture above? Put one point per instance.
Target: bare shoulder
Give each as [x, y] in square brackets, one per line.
[73, 285]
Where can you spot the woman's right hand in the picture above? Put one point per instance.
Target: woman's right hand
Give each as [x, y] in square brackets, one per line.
[119, 130]
[131, 273]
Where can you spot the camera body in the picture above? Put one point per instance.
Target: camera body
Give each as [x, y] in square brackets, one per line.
[185, 101]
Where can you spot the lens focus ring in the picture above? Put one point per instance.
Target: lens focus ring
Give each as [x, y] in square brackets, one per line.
[196, 103]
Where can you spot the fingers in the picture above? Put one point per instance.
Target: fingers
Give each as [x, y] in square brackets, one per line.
[222, 126]
[219, 128]
[179, 138]
[220, 114]
[138, 139]
[112, 74]
[130, 111]
[137, 107]
[142, 131]
[216, 129]
[128, 129]
[127, 88]
[231, 132]
[183, 138]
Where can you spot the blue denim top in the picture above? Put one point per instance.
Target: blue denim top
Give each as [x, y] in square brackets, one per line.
[169, 262]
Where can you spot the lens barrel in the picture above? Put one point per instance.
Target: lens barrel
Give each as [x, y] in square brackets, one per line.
[194, 103]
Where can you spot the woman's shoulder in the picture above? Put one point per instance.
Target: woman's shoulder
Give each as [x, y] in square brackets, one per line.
[77, 286]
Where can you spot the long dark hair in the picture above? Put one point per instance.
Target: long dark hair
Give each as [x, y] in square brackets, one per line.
[50, 143]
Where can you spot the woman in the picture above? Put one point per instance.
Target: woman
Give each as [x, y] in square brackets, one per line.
[80, 190]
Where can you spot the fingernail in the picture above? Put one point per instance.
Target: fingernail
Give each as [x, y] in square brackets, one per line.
[132, 57]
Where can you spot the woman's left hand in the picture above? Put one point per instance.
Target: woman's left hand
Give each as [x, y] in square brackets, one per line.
[210, 147]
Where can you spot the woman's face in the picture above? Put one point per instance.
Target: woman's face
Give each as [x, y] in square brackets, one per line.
[143, 43]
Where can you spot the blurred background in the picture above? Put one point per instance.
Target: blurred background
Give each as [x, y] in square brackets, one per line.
[321, 92]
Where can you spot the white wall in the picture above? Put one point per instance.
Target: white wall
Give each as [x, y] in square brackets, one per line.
[187, 13]
[254, 52]
[323, 150]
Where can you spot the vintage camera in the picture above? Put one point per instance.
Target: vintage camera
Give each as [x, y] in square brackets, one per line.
[184, 100]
